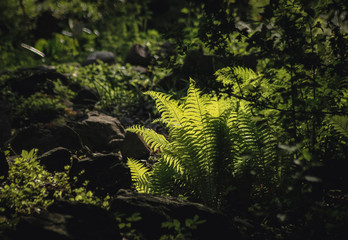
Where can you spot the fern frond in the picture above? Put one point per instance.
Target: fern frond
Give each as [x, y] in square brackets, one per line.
[165, 178]
[160, 121]
[340, 124]
[217, 106]
[195, 105]
[258, 149]
[229, 76]
[140, 175]
[154, 140]
[170, 109]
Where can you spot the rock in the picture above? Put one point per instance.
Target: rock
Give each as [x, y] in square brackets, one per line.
[154, 210]
[139, 55]
[5, 122]
[134, 146]
[46, 138]
[104, 56]
[56, 159]
[106, 173]
[38, 79]
[99, 132]
[86, 97]
[45, 114]
[68, 221]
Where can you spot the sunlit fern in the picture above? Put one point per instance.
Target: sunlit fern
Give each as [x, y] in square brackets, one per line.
[210, 141]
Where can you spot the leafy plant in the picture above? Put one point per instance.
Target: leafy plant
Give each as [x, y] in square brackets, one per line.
[40, 107]
[119, 86]
[181, 231]
[126, 225]
[340, 124]
[30, 188]
[212, 143]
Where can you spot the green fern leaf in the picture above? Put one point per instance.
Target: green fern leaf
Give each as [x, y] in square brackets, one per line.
[229, 76]
[171, 111]
[340, 124]
[154, 140]
[140, 175]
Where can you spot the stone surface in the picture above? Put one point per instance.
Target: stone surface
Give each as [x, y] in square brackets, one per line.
[139, 55]
[68, 221]
[104, 172]
[39, 79]
[104, 56]
[154, 210]
[46, 138]
[56, 159]
[86, 97]
[134, 147]
[99, 131]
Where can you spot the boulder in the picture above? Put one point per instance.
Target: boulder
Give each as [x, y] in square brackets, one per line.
[135, 147]
[86, 97]
[104, 56]
[154, 210]
[38, 79]
[56, 159]
[139, 55]
[99, 132]
[46, 138]
[105, 173]
[68, 221]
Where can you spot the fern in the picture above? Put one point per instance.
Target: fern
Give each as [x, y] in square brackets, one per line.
[140, 175]
[209, 137]
[240, 78]
[154, 140]
[170, 110]
[340, 124]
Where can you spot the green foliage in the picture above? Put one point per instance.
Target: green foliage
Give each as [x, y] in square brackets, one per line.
[340, 124]
[211, 143]
[30, 188]
[40, 107]
[181, 231]
[140, 175]
[119, 87]
[59, 47]
[126, 225]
